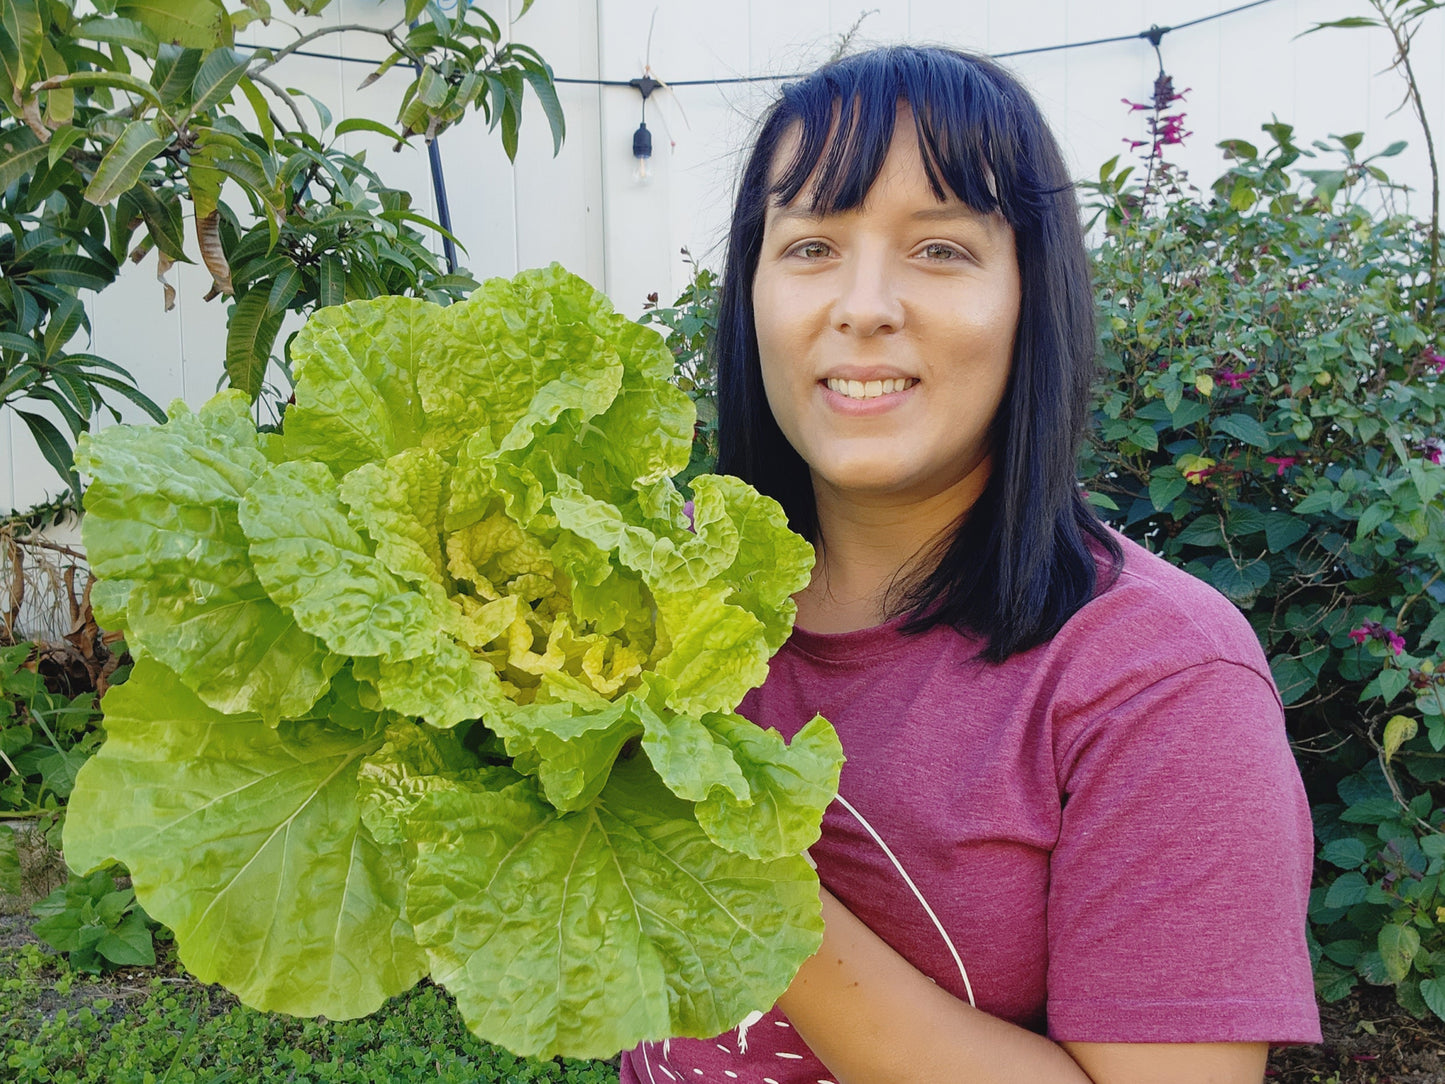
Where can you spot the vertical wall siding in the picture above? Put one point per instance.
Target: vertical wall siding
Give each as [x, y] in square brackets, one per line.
[584, 209]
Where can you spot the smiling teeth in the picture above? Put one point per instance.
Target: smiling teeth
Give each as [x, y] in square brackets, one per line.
[869, 389]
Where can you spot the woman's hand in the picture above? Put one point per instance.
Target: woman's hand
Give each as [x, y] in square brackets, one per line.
[873, 1018]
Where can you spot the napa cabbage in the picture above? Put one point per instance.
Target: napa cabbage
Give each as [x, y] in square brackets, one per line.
[441, 680]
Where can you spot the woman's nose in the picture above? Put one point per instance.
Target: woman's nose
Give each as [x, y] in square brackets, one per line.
[868, 300]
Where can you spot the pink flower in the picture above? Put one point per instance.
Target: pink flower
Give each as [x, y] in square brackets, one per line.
[1231, 379]
[1281, 462]
[1434, 359]
[1171, 130]
[1432, 448]
[1373, 630]
[1135, 107]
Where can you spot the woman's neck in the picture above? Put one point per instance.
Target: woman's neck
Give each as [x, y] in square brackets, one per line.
[869, 552]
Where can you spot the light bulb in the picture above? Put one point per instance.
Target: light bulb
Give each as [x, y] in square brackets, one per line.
[642, 154]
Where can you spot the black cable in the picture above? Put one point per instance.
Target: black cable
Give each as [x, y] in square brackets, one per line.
[1152, 35]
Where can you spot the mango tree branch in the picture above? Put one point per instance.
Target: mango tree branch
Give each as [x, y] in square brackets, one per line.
[306, 39]
[290, 102]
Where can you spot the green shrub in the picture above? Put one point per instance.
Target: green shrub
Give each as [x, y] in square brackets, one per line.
[45, 736]
[96, 924]
[1271, 421]
[690, 323]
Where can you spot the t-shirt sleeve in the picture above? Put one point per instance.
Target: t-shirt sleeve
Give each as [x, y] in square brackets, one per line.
[1179, 885]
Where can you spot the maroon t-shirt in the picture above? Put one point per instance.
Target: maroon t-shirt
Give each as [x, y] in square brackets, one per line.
[1110, 828]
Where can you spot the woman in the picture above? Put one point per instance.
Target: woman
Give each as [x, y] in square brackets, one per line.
[1071, 843]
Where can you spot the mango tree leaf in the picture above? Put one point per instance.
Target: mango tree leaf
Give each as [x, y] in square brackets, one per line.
[62, 140]
[1352, 22]
[20, 153]
[331, 286]
[249, 337]
[199, 24]
[71, 269]
[22, 35]
[163, 219]
[127, 157]
[113, 80]
[128, 33]
[53, 446]
[218, 75]
[300, 909]
[505, 889]
[365, 124]
[174, 72]
[264, 124]
[539, 78]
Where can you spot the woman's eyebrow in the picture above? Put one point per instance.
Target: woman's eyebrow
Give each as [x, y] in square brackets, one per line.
[792, 210]
[948, 212]
[945, 212]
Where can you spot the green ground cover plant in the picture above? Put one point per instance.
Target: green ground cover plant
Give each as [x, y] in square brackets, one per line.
[61, 1026]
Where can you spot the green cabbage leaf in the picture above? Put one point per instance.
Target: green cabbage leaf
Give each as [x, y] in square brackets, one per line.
[442, 680]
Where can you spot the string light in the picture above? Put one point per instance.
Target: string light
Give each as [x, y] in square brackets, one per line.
[642, 138]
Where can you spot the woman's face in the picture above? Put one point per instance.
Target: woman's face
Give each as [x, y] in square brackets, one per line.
[886, 336]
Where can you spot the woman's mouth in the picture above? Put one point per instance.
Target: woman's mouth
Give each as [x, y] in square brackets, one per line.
[869, 389]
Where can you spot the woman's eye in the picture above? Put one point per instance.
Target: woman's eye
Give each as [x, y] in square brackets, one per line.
[937, 250]
[812, 250]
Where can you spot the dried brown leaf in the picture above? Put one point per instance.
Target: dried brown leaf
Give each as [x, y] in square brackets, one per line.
[208, 235]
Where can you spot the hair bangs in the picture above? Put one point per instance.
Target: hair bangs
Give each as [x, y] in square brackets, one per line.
[845, 119]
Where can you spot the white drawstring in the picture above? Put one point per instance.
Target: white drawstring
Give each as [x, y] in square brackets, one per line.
[968, 986]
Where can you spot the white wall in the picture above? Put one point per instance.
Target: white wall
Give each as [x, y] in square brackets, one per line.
[583, 209]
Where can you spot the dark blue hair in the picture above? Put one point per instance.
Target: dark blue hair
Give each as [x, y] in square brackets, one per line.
[1022, 561]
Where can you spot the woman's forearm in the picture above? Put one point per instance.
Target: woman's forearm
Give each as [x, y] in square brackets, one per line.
[873, 1018]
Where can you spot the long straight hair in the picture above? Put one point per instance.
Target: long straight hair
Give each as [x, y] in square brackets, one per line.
[1022, 560]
